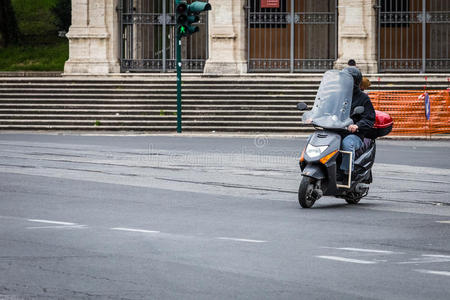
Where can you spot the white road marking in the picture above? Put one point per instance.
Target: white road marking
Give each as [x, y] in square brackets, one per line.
[241, 240]
[343, 259]
[59, 227]
[367, 250]
[437, 255]
[444, 273]
[135, 230]
[443, 222]
[427, 259]
[51, 222]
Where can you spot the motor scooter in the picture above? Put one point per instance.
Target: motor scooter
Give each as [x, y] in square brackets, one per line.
[322, 156]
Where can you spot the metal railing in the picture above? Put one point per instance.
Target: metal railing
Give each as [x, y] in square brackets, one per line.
[147, 38]
[413, 35]
[296, 36]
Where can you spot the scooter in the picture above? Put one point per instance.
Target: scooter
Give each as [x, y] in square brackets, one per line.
[322, 156]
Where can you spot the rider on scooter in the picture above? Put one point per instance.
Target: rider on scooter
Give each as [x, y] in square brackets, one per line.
[353, 140]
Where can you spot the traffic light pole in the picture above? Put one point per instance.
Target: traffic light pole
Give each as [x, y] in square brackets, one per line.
[186, 15]
[178, 42]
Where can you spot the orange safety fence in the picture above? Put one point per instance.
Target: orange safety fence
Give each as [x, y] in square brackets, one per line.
[407, 109]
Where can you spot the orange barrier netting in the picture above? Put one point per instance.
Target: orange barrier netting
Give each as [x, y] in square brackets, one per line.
[407, 109]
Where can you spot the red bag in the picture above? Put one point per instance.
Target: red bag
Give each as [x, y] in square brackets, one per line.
[383, 125]
[382, 120]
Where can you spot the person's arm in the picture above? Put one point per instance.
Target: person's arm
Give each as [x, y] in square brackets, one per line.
[367, 118]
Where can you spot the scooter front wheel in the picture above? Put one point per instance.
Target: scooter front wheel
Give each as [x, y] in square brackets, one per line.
[305, 197]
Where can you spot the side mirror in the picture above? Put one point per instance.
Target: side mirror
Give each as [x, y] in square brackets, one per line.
[302, 106]
[358, 110]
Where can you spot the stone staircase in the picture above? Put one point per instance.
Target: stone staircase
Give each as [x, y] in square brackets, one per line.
[251, 103]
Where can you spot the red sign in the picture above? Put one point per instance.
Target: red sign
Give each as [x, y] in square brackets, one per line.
[270, 3]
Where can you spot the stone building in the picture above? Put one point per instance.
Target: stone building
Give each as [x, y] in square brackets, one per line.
[262, 36]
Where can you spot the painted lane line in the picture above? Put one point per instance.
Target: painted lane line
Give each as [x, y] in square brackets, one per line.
[437, 255]
[367, 250]
[443, 273]
[51, 222]
[443, 222]
[135, 230]
[343, 259]
[59, 227]
[241, 240]
[427, 259]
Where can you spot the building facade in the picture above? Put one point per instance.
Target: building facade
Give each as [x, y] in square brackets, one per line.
[262, 36]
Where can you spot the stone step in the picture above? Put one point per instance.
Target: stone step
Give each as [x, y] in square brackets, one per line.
[152, 129]
[158, 77]
[216, 106]
[162, 119]
[200, 102]
[161, 79]
[49, 96]
[12, 113]
[28, 91]
[18, 116]
[250, 104]
[170, 85]
[263, 90]
[197, 83]
[156, 125]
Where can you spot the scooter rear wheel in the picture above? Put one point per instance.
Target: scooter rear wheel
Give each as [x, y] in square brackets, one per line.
[304, 193]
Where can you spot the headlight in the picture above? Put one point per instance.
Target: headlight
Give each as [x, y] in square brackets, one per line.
[313, 151]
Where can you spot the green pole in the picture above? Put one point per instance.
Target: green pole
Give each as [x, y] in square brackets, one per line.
[178, 41]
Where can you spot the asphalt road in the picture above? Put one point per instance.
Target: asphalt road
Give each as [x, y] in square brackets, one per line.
[158, 217]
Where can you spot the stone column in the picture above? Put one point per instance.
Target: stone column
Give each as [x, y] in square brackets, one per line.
[357, 36]
[227, 38]
[93, 38]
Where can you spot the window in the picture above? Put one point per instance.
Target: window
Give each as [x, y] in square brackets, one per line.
[395, 13]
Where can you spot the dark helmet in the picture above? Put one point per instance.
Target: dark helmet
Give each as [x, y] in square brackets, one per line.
[356, 74]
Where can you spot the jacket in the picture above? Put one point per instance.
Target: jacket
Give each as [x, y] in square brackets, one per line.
[366, 120]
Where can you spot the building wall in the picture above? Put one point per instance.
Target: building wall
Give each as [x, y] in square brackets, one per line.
[94, 38]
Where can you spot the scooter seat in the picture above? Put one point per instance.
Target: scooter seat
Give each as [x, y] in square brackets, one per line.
[367, 143]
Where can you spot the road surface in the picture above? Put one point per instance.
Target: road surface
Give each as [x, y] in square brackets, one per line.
[161, 217]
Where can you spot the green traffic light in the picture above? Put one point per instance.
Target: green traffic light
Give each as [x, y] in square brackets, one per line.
[188, 14]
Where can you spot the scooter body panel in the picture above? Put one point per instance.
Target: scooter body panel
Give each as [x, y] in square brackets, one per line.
[363, 165]
[314, 171]
[312, 167]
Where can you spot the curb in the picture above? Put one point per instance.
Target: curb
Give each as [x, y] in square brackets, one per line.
[209, 134]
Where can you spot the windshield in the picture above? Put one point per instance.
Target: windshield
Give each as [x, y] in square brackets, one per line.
[333, 101]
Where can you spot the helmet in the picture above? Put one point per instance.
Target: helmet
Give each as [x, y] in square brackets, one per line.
[356, 74]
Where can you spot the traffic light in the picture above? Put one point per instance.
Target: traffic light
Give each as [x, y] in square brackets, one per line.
[187, 14]
[182, 16]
